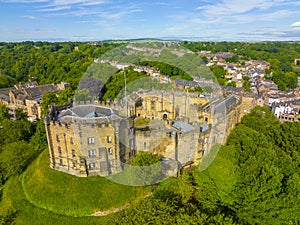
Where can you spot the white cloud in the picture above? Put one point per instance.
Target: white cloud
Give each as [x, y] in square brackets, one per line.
[118, 15]
[30, 17]
[270, 34]
[296, 25]
[227, 8]
[72, 7]
[53, 9]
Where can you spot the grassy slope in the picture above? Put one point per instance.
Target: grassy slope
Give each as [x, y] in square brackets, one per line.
[27, 214]
[65, 194]
[220, 172]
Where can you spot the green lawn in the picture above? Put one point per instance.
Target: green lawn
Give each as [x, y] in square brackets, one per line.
[65, 194]
[13, 198]
[141, 122]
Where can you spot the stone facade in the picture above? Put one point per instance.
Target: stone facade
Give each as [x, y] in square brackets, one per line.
[28, 97]
[97, 139]
[88, 140]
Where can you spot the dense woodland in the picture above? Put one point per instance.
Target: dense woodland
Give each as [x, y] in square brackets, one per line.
[68, 61]
[49, 62]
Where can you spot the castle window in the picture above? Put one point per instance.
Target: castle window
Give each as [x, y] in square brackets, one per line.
[92, 166]
[152, 105]
[93, 125]
[206, 119]
[60, 162]
[106, 125]
[82, 162]
[165, 116]
[73, 153]
[74, 164]
[92, 153]
[72, 140]
[57, 138]
[59, 151]
[91, 140]
[108, 139]
[110, 151]
[145, 145]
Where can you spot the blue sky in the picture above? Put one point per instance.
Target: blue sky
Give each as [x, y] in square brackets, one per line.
[203, 20]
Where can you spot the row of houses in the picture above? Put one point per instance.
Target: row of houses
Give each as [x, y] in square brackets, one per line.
[285, 105]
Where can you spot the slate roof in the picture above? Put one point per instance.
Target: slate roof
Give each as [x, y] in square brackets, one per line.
[184, 127]
[226, 105]
[88, 111]
[34, 92]
[4, 97]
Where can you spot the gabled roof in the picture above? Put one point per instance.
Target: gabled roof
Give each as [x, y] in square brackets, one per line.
[40, 90]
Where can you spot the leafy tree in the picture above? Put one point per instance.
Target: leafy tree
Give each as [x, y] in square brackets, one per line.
[246, 84]
[184, 189]
[145, 159]
[233, 59]
[6, 81]
[146, 168]
[18, 130]
[4, 112]
[56, 98]
[116, 83]
[219, 73]
[14, 158]
[20, 114]
[231, 84]
[8, 217]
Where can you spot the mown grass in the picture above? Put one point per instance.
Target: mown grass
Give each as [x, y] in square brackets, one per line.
[65, 194]
[13, 198]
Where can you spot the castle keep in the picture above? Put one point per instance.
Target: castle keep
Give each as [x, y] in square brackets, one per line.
[88, 140]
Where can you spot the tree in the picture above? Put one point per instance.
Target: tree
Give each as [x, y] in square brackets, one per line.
[4, 112]
[49, 98]
[184, 189]
[20, 114]
[231, 84]
[219, 73]
[146, 169]
[14, 158]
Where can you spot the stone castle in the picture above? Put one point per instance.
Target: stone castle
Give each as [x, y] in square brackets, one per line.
[99, 138]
